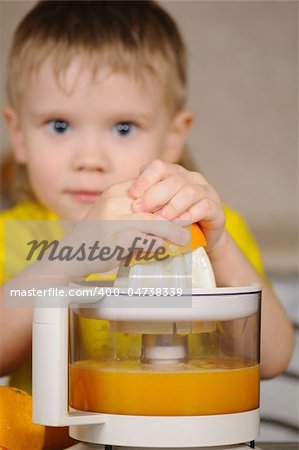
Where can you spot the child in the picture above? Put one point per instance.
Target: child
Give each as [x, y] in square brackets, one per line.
[98, 123]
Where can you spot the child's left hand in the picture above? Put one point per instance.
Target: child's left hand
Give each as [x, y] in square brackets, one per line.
[177, 194]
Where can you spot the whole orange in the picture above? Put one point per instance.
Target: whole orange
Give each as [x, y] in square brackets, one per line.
[17, 431]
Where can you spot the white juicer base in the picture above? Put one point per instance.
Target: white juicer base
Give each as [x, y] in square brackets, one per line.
[177, 432]
[82, 446]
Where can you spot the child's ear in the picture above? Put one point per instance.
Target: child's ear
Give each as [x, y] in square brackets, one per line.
[16, 134]
[176, 138]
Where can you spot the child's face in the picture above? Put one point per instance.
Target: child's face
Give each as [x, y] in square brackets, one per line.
[77, 143]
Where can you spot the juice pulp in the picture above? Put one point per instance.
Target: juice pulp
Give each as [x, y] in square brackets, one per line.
[201, 387]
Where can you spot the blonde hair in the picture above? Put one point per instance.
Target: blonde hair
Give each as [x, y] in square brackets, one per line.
[133, 37]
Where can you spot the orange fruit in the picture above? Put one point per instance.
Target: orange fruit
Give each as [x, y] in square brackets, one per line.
[17, 431]
[197, 240]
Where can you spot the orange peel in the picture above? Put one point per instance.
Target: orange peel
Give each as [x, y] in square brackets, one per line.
[17, 431]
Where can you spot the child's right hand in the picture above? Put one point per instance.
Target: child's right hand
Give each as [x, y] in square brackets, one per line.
[170, 191]
[112, 221]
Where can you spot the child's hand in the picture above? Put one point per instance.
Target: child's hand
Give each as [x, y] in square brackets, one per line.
[174, 193]
[112, 222]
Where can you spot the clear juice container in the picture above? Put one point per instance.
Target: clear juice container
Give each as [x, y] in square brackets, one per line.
[202, 359]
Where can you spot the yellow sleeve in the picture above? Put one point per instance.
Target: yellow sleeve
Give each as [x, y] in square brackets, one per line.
[13, 239]
[20, 225]
[242, 235]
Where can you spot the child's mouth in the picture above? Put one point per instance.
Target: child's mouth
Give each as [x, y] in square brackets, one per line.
[85, 196]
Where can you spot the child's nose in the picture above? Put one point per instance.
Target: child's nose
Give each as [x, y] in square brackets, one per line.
[91, 157]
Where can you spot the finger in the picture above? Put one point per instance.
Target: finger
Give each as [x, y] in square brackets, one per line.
[184, 218]
[159, 194]
[186, 197]
[153, 225]
[154, 172]
[209, 213]
[133, 240]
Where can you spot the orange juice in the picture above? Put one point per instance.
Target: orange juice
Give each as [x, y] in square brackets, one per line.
[201, 387]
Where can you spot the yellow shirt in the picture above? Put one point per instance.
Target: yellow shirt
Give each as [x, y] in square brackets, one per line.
[26, 231]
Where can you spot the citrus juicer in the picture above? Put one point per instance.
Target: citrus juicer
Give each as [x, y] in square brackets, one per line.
[151, 366]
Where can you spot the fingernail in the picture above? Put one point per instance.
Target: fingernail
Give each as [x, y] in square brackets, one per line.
[161, 213]
[137, 206]
[177, 221]
[136, 191]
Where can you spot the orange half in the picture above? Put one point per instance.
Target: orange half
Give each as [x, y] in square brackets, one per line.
[197, 240]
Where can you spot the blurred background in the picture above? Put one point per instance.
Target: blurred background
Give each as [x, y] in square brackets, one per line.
[243, 91]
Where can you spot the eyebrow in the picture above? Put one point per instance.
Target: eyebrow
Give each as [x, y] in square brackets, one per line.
[49, 113]
[114, 116]
[133, 116]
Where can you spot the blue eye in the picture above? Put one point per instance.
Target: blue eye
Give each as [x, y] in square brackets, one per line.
[59, 126]
[124, 128]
